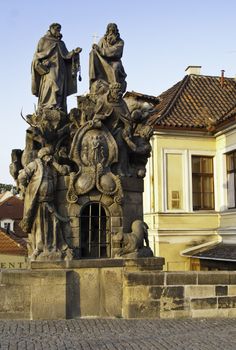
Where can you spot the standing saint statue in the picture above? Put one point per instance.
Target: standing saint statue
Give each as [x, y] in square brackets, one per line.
[105, 58]
[41, 220]
[54, 70]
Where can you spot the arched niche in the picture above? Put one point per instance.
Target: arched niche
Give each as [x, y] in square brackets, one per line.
[95, 231]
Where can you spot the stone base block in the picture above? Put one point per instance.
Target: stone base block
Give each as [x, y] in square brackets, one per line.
[60, 290]
[27, 294]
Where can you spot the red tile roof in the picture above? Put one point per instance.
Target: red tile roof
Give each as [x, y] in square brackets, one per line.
[11, 244]
[196, 102]
[12, 208]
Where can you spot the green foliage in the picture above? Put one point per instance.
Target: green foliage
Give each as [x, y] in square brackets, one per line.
[5, 187]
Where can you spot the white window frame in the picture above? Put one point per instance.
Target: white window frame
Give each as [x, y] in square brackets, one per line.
[224, 179]
[201, 153]
[7, 221]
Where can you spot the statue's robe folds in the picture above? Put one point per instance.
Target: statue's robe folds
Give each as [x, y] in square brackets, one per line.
[106, 64]
[39, 219]
[53, 78]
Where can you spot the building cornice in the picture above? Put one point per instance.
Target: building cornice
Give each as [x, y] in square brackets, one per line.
[183, 133]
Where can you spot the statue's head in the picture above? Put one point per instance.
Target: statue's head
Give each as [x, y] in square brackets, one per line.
[112, 33]
[112, 27]
[55, 30]
[45, 153]
[140, 228]
[99, 87]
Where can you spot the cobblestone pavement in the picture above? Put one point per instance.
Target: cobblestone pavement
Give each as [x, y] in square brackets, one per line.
[119, 334]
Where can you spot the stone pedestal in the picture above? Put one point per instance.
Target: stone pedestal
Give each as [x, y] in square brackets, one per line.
[127, 288]
[61, 290]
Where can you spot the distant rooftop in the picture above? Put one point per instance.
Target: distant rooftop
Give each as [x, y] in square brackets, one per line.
[11, 244]
[220, 251]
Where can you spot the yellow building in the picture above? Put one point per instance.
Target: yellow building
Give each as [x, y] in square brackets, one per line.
[190, 189]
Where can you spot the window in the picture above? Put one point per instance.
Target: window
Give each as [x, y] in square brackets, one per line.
[95, 232]
[202, 183]
[174, 181]
[7, 226]
[231, 178]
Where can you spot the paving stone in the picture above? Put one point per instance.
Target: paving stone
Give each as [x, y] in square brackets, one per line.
[119, 334]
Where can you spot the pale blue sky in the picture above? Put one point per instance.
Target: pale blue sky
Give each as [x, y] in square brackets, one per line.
[162, 37]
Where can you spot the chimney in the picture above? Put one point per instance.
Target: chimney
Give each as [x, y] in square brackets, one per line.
[222, 78]
[193, 70]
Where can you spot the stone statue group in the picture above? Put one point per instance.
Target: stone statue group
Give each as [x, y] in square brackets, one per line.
[91, 148]
[54, 68]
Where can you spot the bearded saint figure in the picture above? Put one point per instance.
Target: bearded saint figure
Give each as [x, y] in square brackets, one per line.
[105, 58]
[54, 70]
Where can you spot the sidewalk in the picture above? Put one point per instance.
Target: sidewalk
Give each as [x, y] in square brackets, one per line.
[119, 334]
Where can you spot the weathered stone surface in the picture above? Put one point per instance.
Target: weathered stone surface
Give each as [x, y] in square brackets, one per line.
[219, 277]
[116, 222]
[132, 185]
[232, 277]
[22, 291]
[61, 197]
[227, 302]
[231, 312]
[115, 210]
[73, 302]
[15, 277]
[44, 265]
[203, 303]
[15, 301]
[136, 293]
[111, 292]
[95, 196]
[134, 198]
[148, 309]
[221, 290]
[176, 314]
[63, 183]
[74, 222]
[156, 292]
[232, 290]
[181, 278]
[52, 298]
[105, 288]
[63, 210]
[88, 281]
[107, 200]
[167, 292]
[199, 291]
[144, 264]
[95, 263]
[207, 313]
[144, 278]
